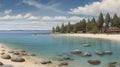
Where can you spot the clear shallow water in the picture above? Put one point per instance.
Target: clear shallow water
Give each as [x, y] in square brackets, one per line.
[51, 47]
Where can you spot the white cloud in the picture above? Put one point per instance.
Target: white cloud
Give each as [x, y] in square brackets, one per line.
[7, 11]
[30, 17]
[111, 6]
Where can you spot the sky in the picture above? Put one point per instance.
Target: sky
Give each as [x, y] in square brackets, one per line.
[44, 14]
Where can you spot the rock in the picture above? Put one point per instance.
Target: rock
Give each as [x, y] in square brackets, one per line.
[67, 58]
[108, 52]
[17, 58]
[94, 62]
[87, 54]
[99, 53]
[112, 64]
[2, 53]
[86, 45]
[11, 51]
[6, 56]
[76, 52]
[33, 54]
[1, 64]
[63, 64]
[16, 53]
[46, 62]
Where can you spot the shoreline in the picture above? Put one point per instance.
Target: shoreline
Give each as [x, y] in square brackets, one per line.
[115, 37]
[30, 61]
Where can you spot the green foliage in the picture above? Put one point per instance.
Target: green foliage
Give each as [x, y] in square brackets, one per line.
[107, 19]
[62, 29]
[57, 29]
[94, 26]
[53, 30]
[90, 26]
[100, 21]
[75, 28]
[116, 21]
[68, 28]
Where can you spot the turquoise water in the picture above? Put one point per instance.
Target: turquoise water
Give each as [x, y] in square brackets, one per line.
[55, 47]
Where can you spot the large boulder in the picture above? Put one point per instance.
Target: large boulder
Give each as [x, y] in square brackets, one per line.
[5, 56]
[63, 64]
[17, 58]
[108, 52]
[94, 62]
[45, 62]
[16, 53]
[86, 45]
[99, 53]
[87, 54]
[76, 51]
[1, 64]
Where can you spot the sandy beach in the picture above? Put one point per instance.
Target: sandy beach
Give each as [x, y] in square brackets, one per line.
[29, 60]
[101, 36]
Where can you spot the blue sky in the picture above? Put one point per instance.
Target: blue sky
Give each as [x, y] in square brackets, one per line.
[44, 14]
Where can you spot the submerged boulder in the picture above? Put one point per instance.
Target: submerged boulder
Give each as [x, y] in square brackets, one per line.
[86, 45]
[94, 62]
[5, 56]
[108, 52]
[17, 58]
[76, 51]
[99, 53]
[86, 54]
[63, 64]
[45, 62]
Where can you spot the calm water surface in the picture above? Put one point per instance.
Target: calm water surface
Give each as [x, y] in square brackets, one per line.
[55, 47]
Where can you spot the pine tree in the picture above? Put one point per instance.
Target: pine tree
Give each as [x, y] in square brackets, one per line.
[57, 29]
[53, 30]
[94, 26]
[100, 22]
[68, 28]
[116, 21]
[107, 20]
[75, 28]
[62, 29]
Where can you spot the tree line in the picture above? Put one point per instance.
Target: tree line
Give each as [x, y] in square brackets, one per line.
[90, 25]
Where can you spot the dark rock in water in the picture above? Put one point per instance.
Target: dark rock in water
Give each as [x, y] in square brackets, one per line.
[17, 58]
[108, 52]
[6, 56]
[94, 62]
[112, 64]
[99, 53]
[87, 54]
[63, 64]
[46, 62]
[67, 58]
[33, 54]
[86, 45]
[1, 64]
[76, 52]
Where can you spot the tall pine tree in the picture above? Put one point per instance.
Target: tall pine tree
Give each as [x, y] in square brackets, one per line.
[100, 22]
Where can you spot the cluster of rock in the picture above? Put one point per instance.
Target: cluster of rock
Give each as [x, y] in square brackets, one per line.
[14, 56]
[87, 54]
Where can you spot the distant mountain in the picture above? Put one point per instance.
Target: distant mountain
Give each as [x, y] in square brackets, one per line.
[27, 31]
